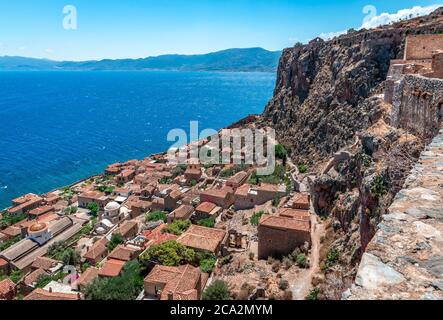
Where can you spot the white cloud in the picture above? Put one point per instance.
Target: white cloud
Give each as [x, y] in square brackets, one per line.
[331, 35]
[387, 18]
[49, 50]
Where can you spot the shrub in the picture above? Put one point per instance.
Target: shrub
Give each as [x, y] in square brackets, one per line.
[276, 201]
[313, 294]
[280, 151]
[169, 253]
[302, 168]
[157, 216]
[218, 290]
[127, 286]
[287, 262]
[70, 210]
[251, 255]
[177, 227]
[116, 239]
[300, 260]
[206, 265]
[255, 219]
[332, 257]
[69, 257]
[379, 186]
[16, 276]
[165, 180]
[209, 223]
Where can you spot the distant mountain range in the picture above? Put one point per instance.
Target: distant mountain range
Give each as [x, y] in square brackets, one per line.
[241, 60]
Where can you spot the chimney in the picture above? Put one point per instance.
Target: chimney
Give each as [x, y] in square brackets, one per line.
[170, 295]
[50, 289]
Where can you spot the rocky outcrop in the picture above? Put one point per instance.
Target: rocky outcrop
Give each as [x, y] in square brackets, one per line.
[319, 102]
[404, 260]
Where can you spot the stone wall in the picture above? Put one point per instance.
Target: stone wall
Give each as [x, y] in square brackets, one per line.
[404, 260]
[417, 104]
[279, 242]
[422, 46]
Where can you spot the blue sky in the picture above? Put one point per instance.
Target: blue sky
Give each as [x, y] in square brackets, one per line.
[132, 29]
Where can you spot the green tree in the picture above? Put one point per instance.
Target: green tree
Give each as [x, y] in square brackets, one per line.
[209, 222]
[255, 219]
[169, 253]
[207, 264]
[127, 286]
[301, 260]
[177, 227]
[116, 239]
[280, 151]
[70, 257]
[218, 290]
[93, 207]
[157, 216]
[313, 294]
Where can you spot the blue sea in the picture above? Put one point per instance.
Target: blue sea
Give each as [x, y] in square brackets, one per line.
[59, 127]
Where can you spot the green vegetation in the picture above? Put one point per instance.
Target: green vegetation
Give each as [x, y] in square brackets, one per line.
[255, 219]
[116, 239]
[93, 207]
[179, 170]
[16, 276]
[209, 222]
[276, 201]
[300, 260]
[218, 290]
[67, 193]
[71, 210]
[280, 151]
[177, 227]
[302, 168]
[157, 216]
[45, 279]
[366, 160]
[105, 189]
[229, 172]
[67, 255]
[277, 177]
[193, 183]
[127, 286]
[6, 244]
[165, 180]
[379, 186]
[169, 253]
[313, 294]
[332, 258]
[8, 219]
[206, 261]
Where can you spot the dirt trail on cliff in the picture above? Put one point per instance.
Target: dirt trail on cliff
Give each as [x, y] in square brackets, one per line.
[304, 283]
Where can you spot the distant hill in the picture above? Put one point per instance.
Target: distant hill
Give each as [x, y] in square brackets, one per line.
[250, 59]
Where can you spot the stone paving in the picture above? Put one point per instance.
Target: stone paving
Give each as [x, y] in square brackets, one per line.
[404, 260]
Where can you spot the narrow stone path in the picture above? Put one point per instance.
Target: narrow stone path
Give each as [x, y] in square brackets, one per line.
[303, 285]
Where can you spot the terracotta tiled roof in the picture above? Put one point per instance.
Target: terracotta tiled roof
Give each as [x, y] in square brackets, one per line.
[99, 248]
[87, 277]
[111, 268]
[181, 281]
[6, 285]
[3, 262]
[40, 294]
[206, 207]
[294, 213]
[285, 223]
[156, 236]
[218, 193]
[41, 210]
[182, 212]
[122, 253]
[44, 263]
[33, 277]
[203, 238]
[126, 227]
[238, 177]
[301, 198]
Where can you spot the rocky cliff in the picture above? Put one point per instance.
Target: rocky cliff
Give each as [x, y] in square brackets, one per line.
[328, 100]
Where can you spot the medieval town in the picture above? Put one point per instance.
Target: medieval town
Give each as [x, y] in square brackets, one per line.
[162, 231]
